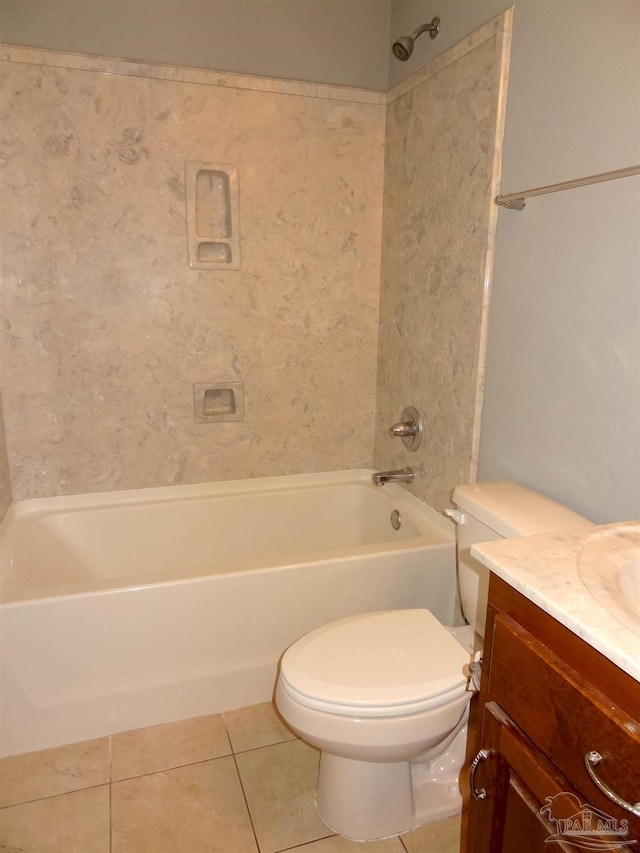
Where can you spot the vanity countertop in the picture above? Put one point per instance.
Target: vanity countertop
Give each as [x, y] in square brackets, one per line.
[544, 569]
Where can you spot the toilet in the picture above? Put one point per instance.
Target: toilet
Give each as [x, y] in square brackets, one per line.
[385, 696]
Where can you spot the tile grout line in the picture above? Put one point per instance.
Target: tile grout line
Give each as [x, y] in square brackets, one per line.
[246, 801]
[110, 781]
[313, 841]
[264, 746]
[239, 775]
[291, 848]
[54, 796]
[166, 769]
[110, 793]
[169, 769]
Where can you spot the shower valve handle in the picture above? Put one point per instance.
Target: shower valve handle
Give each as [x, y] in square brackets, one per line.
[409, 428]
[404, 428]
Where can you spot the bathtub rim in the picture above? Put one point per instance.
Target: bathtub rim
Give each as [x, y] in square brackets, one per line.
[280, 482]
[13, 593]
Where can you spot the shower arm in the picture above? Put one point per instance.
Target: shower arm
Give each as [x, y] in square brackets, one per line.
[423, 29]
[433, 28]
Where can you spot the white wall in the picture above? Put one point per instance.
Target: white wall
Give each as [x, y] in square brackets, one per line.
[562, 395]
[331, 41]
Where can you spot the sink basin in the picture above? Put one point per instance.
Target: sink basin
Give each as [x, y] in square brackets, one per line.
[609, 567]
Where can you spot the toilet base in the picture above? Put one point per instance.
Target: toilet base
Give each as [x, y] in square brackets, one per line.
[365, 800]
[368, 801]
[436, 787]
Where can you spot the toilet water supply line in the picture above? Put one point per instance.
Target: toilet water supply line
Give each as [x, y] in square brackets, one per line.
[475, 673]
[475, 665]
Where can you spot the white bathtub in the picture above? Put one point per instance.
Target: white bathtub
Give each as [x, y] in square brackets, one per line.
[129, 609]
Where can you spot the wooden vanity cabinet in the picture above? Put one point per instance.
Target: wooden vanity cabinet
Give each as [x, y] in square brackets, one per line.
[547, 699]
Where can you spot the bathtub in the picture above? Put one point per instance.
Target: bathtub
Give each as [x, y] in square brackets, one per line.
[128, 609]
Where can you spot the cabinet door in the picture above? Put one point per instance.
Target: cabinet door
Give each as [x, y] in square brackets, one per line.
[488, 783]
[505, 816]
[528, 803]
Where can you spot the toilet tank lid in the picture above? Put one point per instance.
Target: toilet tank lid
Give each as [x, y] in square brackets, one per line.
[512, 510]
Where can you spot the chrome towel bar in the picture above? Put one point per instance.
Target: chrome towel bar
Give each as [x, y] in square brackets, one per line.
[516, 201]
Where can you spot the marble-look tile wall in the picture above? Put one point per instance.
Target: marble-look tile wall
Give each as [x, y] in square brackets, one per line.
[5, 479]
[106, 329]
[441, 172]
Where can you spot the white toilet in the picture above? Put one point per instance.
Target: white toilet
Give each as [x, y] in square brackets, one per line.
[384, 695]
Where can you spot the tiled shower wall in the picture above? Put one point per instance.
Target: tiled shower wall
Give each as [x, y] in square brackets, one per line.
[5, 480]
[106, 329]
[444, 128]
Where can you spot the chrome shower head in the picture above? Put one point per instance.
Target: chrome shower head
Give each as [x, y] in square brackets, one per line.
[403, 47]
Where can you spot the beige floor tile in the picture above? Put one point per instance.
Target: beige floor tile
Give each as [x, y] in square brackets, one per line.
[71, 823]
[157, 748]
[256, 726]
[194, 809]
[442, 836]
[336, 844]
[49, 772]
[279, 782]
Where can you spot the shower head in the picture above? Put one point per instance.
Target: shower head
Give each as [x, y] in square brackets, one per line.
[403, 47]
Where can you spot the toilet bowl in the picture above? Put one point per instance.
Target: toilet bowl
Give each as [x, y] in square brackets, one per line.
[385, 695]
[381, 715]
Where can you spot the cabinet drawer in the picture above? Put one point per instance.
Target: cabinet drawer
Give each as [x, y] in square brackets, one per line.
[565, 717]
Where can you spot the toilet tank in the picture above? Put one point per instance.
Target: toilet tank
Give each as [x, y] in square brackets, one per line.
[498, 511]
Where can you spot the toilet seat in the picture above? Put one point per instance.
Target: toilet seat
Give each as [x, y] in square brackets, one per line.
[382, 664]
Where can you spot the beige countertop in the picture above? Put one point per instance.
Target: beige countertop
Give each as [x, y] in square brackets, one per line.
[544, 568]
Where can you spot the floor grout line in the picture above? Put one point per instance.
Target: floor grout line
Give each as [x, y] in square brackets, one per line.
[246, 803]
[110, 794]
[264, 746]
[231, 754]
[110, 821]
[306, 843]
[169, 769]
[55, 796]
[111, 781]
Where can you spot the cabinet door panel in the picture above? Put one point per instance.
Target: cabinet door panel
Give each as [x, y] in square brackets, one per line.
[545, 801]
[564, 717]
[525, 829]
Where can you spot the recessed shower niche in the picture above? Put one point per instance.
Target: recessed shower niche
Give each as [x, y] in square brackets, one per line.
[213, 209]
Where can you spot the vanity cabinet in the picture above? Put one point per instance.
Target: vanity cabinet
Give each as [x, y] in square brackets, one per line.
[547, 700]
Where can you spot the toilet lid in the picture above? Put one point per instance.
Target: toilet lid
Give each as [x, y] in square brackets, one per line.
[392, 662]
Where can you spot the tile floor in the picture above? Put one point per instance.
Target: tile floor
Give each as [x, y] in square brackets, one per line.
[238, 782]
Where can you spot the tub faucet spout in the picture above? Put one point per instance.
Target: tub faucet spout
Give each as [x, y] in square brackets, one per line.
[404, 475]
